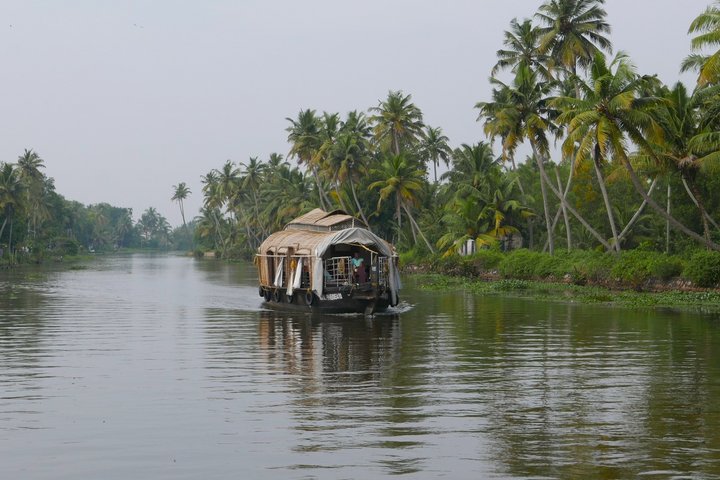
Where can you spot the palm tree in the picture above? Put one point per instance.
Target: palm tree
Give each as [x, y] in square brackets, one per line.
[682, 124]
[628, 112]
[522, 43]
[398, 121]
[485, 201]
[434, 146]
[289, 196]
[521, 112]
[252, 178]
[587, 139]
[29, 165]
[470, 165]
[707, 27]
[573, 32]
[11, 193]
[329, 129]
[304, 138]
[348, 160]
[399, 179]
[180, 193]
[212, 203]
[523, 115]
[275, 160]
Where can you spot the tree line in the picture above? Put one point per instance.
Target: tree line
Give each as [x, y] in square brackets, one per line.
[618, 159]
[36, 221]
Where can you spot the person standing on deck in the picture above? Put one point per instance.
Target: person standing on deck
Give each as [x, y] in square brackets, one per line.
[358, 268]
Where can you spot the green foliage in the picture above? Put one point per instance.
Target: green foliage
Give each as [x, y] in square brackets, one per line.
[667, 267]
[633, 268]
[523, 264]
[704, 269]
[512, 284]
[65, 246]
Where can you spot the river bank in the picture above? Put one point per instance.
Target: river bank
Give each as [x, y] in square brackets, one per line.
[633, 279]
[706, 300]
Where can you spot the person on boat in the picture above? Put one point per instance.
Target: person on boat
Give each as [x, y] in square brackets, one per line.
[359, 268]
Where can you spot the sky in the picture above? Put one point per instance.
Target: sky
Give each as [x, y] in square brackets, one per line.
[124, 99]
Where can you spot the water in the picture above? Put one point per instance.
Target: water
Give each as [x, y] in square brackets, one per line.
[159, 367]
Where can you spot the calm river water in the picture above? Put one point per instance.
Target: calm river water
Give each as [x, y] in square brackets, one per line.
[152, 367]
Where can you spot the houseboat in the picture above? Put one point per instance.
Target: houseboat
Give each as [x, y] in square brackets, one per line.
[327, 262]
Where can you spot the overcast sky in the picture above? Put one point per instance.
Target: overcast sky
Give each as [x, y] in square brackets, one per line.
[124, 99]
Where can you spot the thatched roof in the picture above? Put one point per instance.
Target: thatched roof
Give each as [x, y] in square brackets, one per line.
[306, 232]
[320, 220]
[303, 242]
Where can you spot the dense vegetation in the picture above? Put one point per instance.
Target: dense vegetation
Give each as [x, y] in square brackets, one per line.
[616, 160]
[37, 222]
[635, 166]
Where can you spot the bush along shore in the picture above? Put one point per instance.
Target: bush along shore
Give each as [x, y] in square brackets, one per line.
[633, 278]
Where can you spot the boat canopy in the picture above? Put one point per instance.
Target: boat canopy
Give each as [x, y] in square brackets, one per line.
[314, 233]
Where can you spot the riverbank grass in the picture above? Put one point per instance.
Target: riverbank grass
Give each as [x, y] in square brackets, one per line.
[634, 278]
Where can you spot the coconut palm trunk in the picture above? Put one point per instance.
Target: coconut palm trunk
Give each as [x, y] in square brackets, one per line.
[562, 206]
[357, 203]
[568, 234]
[10, 241]
[667, 223]
[543, 191]
[588, 227]
[606, 198]
[413, 222]
[321, 191]
[639, 211]
[673, 221]
[342, 203]
[703, 213]
[695, 201]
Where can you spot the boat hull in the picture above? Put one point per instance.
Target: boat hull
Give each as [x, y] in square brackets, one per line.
[340, 302]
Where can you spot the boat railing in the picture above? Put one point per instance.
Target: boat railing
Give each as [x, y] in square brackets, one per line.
[337, 271]
[382, 271]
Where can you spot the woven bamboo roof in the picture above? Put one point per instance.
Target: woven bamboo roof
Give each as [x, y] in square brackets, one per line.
[303, 242]
[319, 219]
[306, 232]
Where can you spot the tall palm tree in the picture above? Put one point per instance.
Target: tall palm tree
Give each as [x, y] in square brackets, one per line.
[573, 32]
[521, 44]
[707, 27]
[400, 179]
[212, 203]
[398, 121]
[587, 139]
[11, 193]
[304, 139]
[682, 124]
[627, 111]
[471, 166]
[253, 175]
[28, 166]
[329, 129]
[348, 160]
[180, 193]
[521, 112]
[434, 147]
[523, 115]
[485, 201]
[289, 196]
